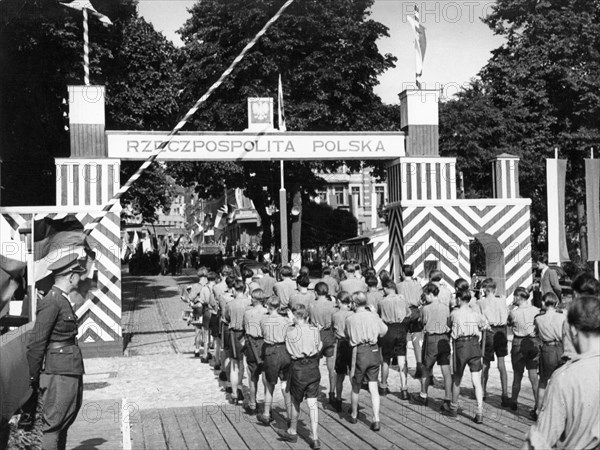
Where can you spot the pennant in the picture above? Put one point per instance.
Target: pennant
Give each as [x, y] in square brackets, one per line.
[556, 171]
[280, 111]
[80, 5]
[592, 198]
[420, 44]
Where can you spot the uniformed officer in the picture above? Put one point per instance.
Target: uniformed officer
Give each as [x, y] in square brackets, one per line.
[254, 343]
[234, 316]
[276, 359]
[549, 329]
[364, 328]
[524, 353]
[303, 343]
[466, 324]
[494, 310]
[393, 310]
[320, 312]
[343, 357]
[53, 353]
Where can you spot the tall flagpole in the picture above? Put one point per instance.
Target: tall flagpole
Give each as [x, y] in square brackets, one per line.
[282, 192]
[86, 49]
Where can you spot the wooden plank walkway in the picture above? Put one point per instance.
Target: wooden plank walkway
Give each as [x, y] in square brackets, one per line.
[403, 426]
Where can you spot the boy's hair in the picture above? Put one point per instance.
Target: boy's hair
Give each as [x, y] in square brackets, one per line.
[238, 285]
[212, 276]
[286, 271]
[464, 296]
[586, 284]
[247, 273]
[584, 314]
[435, 275]
[229, 281]
[321, 289]
[202, 272]
[304, 270]
[461, 285]
[389, 284]
[371, 281]
[431, 288]
[488, 285]
[359, 299]
[259, 295]
[300, 311]
[384, 275]
[520, 295]
[326, 271]
[550, 299]
[274, 302]
[371, 272]
[303, 280]
[349, 267]
[344, 297]
[408, 270]
[225, 270]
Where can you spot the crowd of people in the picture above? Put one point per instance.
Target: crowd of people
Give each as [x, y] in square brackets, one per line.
[280, 327]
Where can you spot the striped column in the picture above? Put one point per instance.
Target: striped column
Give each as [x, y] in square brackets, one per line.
[87, 121]
[86, 182]
[505, 176]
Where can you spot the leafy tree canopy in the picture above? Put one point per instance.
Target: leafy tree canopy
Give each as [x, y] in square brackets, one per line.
[540, 90]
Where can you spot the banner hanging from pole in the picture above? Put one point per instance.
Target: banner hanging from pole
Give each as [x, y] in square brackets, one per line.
[556, 171]
[592, 197]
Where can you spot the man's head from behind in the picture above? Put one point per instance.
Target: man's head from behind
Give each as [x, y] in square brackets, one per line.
[584, 321]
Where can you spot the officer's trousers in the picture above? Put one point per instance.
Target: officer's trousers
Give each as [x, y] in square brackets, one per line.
[62, 395]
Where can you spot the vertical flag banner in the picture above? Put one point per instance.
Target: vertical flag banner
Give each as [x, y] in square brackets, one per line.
[280, 111]
[592, 197]
[556, 171]
[420, 44]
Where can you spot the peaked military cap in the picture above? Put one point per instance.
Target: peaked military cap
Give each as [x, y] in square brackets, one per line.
[67, 264]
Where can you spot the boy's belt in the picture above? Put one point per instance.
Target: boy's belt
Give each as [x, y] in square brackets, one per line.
[60, 344]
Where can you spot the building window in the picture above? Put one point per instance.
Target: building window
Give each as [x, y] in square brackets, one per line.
[339, 195]
[355, 192]
[380, 193]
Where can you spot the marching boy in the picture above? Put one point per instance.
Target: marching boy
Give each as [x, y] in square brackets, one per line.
[303, 343]
[253, 348]
[343, 357]
[466, 325]
[276, 359]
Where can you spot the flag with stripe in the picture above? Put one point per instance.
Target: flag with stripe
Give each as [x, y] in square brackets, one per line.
[420, 44]
[556, 172]
[280, 111]
[592, 197]
[80, 5]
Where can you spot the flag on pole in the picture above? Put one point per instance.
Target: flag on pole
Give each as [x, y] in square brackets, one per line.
[222, 211]
[556, 172]
[80, 5]
[280, 112]
[592, 197]
[420, 44]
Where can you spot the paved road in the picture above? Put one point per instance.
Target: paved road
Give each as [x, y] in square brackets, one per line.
[163, 397]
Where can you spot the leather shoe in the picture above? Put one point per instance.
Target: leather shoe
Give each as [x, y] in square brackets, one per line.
[513, 405]
[404, 394]
[228, 390]
[332, 398]
[204, 360]
[240, 395]
[287, 437]
[217, 367]
[249, 410]
[264, 420]
[223, 375]
[533, 415]
[353, 420]
[375, 426]
[417, 399]
[316, 444]
[384, 391]
[478, 419]
[338, 405]
[447, 410]
[505, 402]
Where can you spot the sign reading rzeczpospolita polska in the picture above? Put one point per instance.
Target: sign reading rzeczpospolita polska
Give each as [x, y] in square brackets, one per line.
[242, 146]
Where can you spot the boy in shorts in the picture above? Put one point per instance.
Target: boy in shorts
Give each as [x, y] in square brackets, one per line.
[253, 345]
[276, 359]
[343, 353]
[303, 343]
[466, 325]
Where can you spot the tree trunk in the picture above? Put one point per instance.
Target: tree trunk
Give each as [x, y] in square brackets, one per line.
[297, 229]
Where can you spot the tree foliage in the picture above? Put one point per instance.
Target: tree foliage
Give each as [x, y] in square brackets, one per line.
[42, 48]
[327, 55]
[325, 226]
[540, 90]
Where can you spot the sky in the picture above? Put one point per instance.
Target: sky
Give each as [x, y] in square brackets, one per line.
[458, 43]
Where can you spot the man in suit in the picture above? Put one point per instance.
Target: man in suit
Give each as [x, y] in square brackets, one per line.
[55, 360]
[548, 278]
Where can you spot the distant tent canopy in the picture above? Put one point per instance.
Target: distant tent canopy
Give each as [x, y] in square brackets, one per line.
[371, 248]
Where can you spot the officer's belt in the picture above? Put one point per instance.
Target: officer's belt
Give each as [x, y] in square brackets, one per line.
[61, 344]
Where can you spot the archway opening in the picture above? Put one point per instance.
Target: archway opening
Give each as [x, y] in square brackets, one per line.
[487, 260]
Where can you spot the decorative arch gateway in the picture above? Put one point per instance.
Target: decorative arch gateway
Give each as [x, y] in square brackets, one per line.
[430, 227]
[426, 220]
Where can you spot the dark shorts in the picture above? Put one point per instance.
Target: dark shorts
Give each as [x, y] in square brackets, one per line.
[496, 343]
[525, 354]
[436, 349]
[367, 364]
[393, 343]
[276, 363]
[206, 316]
[328, 340]
[234, 346]
[550, 360]
[467, 352]
[414, 321]
[253, 353]
[214, 325]
[305, 379]
[343, 359]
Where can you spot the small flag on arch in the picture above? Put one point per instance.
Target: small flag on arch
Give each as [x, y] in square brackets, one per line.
[420, 44]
